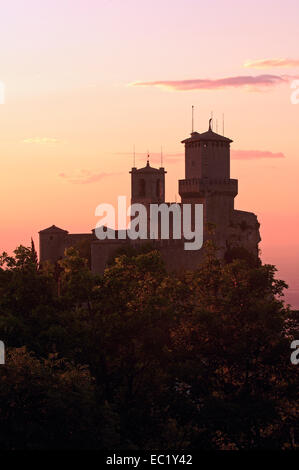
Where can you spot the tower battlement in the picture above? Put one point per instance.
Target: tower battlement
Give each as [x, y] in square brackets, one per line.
[203, 186]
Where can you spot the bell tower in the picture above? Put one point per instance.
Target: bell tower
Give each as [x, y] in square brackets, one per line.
[147, 185]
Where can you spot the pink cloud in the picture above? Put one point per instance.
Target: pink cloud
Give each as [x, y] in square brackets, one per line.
[251, 82]
[85, 177]
[254, 154]
[155, 158]
[270, 63]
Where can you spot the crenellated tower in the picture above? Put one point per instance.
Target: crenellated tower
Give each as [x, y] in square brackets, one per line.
[207, 177]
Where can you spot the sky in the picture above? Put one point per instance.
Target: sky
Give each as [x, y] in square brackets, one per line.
[87, 80]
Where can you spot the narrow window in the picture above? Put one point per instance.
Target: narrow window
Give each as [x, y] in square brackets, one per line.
[142, 187]
[158, 189]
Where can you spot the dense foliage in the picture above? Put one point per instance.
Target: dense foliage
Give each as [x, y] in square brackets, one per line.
[142, 359]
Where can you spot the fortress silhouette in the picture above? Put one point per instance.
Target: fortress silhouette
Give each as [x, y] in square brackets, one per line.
[207, 181]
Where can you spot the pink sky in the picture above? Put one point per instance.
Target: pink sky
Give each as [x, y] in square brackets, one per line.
[72, 112]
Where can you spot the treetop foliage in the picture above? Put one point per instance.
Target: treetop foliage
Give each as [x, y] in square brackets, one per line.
[144, 359]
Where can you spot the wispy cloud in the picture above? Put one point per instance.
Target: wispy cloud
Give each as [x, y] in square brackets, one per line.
[155, 158]
[252, 83]
[85, 176]
[41, 140]
[271, 63]
[254, 154]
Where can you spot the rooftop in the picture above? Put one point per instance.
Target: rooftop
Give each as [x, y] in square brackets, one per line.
[209, 135]
[53, 229]
[148, 168]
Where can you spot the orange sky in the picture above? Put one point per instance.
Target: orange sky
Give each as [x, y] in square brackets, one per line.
[72, 114]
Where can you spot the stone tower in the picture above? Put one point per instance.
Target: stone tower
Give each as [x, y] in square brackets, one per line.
[147, 185]
[52, 243]
[207, 179]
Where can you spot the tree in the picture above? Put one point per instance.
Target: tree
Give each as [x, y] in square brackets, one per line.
[195, 360]
[76, 280]
[49, 403]
[232, 355]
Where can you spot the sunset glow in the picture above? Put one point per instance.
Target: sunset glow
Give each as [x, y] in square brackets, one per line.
[86, 81]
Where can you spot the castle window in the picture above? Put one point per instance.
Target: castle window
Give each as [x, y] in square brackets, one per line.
[158, 189]
[142, 187]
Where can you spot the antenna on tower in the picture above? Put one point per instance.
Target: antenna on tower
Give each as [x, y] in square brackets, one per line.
[192, 119]
[211, 120]
[161, 156]
[134, 157]
[223, 124]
